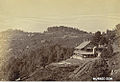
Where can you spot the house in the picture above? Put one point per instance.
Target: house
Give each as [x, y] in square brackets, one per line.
[87, 49]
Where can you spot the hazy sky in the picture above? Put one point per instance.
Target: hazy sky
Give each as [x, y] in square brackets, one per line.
[37, 15]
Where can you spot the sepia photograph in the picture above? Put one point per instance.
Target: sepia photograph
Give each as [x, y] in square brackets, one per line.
[59, 40]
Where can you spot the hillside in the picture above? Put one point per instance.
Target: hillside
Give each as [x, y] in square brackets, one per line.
[21, 50]
[65, 29]
[47, 56]
[114, 61]
[79, 69]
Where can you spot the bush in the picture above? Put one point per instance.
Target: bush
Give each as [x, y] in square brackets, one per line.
[100, 69]
[107, 52]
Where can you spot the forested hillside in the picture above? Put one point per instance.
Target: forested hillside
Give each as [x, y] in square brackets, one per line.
[21, 53]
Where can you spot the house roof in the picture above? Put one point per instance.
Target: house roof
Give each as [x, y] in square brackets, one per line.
[82, 52]
[82, 45]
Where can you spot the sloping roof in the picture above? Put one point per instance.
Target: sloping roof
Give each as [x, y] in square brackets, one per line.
[82, 52]
[82, 45]
[85, 52]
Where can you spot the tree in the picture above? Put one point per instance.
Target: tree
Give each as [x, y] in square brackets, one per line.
[103, 40]
[96, 38]
[118, 27]
[107, 53]
[43, 61]
[110, 49]
[111, 34]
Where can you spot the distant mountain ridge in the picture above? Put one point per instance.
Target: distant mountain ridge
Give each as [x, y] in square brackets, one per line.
[58, 35]
[65, 29]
